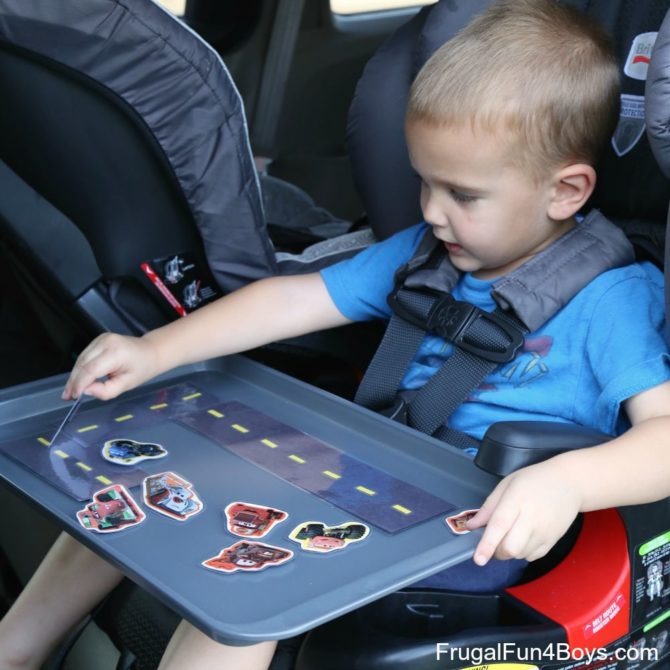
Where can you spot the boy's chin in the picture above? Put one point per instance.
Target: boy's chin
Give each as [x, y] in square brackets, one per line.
[463, 263]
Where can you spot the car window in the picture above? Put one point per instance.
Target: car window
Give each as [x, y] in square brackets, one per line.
[363, 6]
[177, 7]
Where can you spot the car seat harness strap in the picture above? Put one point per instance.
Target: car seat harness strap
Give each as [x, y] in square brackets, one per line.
[526, 298]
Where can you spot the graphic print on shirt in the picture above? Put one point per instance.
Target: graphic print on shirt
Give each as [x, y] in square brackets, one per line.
[528, 366]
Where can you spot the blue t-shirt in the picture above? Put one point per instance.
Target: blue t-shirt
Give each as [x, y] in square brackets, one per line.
[604, 346]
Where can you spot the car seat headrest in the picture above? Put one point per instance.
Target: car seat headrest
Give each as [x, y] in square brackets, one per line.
[630, 183]
[375, 138]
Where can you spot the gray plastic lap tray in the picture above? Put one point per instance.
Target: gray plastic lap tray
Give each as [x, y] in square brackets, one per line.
[269, 440]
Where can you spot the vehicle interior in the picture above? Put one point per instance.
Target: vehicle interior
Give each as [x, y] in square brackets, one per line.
[296, 66]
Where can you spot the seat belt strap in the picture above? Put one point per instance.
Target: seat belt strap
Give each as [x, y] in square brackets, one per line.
[487, 345]
[482, 341]
[275, 73]
[401, 341]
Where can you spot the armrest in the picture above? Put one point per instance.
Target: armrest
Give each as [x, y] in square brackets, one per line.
[510, 445]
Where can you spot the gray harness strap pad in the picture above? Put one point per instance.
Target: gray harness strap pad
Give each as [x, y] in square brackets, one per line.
[539, 288]
[547, 282]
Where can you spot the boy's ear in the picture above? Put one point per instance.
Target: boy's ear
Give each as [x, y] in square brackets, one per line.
[571, 188]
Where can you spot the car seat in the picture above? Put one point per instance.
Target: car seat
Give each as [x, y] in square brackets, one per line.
[580, 597]
[130, 194]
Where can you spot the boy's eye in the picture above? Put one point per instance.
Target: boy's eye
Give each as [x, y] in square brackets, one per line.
[458, 196]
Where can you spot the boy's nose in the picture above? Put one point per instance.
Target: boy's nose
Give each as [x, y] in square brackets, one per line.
[433, 213]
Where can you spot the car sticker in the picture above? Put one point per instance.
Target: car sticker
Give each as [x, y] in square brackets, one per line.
[124, 451]
[250, 520]
[171, 495]
[248, 557]
[113, 509]
[319, 537]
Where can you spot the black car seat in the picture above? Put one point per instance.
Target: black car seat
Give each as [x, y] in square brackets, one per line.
[605, 607]
[129, 191]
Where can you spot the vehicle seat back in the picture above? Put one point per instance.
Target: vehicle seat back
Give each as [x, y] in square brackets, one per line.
[121, 119]
[129, 124]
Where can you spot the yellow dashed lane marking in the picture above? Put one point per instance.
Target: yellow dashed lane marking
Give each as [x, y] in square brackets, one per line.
[60, 453]
[239, 428]
[297, 459]
[44, 441]
[213, 412]
[401, 509]
[83, 466]
[125, 417]
[331, 474]
[192, 396]
[102, 479]
[85, 429]
[368, 492]
[160, 405]
[269, 443]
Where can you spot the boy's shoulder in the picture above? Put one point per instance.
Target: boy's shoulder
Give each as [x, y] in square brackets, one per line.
[616, 294]
[639, 273]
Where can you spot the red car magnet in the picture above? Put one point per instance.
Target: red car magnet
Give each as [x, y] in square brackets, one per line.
[249, 520]
[113, 509]
[456, 523]
[248, 556]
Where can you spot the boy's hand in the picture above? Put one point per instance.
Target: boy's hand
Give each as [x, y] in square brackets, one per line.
[526, 514]
[122, 361]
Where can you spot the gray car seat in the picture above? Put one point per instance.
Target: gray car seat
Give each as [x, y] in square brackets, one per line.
[124, 147]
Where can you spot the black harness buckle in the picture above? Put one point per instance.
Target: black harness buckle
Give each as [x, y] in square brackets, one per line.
[452, 319]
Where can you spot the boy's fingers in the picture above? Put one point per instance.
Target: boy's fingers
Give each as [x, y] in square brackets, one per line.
[486, 510]
[539, 551]
[518, 541]
[106, 390]
[496, 530]
[83, 379]
[481, 518]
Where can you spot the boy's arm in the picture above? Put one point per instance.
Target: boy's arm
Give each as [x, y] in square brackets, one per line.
[531, 509]
[267, 310]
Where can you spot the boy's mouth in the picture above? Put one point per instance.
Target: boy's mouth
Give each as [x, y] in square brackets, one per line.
[453, 248]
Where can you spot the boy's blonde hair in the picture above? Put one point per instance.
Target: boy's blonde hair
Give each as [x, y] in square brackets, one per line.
[540, 71]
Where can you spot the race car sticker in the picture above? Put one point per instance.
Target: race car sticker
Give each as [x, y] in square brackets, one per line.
[124, 451]
[249, 520]
[171, 495]
[248, 557]
[113, 509]
[456, 523]
[317, 536]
